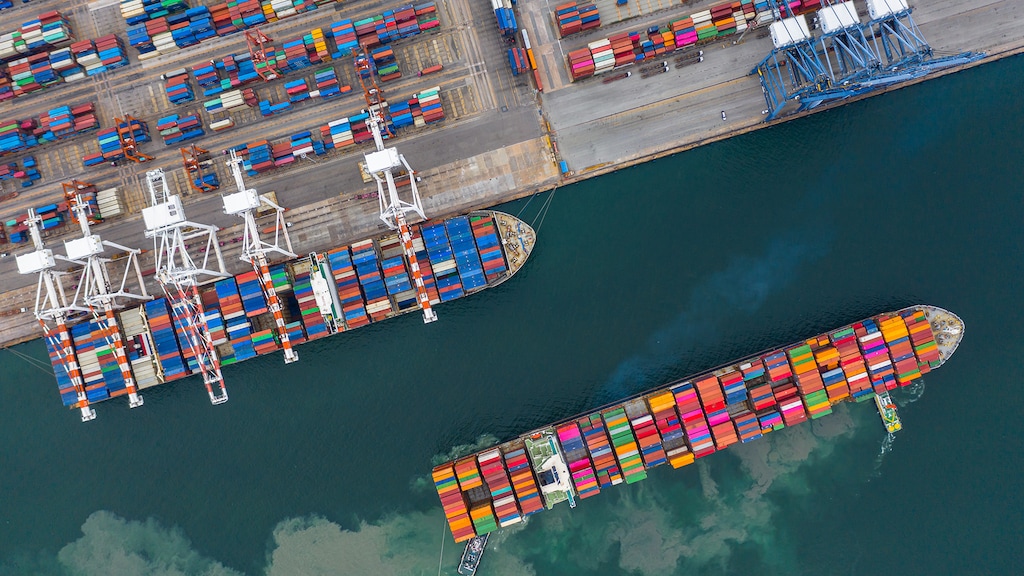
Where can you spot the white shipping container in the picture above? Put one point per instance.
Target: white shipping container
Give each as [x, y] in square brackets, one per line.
[443, 267]
[378, 306]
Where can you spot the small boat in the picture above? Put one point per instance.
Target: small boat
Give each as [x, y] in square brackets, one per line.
[471, 557]
[887, 410]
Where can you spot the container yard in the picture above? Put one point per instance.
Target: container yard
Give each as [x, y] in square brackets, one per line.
[696, 416]
[509, 91]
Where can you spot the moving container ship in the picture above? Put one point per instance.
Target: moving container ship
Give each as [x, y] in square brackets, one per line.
[322, 294]
[694, 417]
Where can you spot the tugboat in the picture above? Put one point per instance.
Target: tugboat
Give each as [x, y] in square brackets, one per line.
[471, 557]
[887, 410]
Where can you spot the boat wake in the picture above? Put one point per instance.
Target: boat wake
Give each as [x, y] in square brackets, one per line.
[482, 441]
[903, 397]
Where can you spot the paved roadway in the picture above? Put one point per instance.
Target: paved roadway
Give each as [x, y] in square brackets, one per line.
[599, 124]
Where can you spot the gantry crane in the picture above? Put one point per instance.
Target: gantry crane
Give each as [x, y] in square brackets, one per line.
[381, 165]
[195, 159]
[244, 203]
[256, 39]
[849, 59]
[52, 305]
[99, 294]
[129, 147]
[179, 275]
[72, 192]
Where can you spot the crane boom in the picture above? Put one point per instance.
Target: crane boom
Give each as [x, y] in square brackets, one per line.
[244, 203]
[53, 305]
[96, 283]
[381, 164]
[179, 275]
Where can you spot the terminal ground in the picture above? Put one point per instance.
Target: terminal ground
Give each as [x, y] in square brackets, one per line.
[501, 139]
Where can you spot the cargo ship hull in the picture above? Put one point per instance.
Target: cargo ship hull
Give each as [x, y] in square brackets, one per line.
[694, 417]
[322, 294]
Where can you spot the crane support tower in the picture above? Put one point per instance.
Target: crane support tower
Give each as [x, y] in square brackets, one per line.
[849, 59]
[99, 293]
[382, 164]
[72, 192]
[129, 147]
[196, 161]
[255, 249]
[180, 275]
[256, 41]
[52, 306]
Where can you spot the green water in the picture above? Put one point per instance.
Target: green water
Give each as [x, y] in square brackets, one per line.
[322, 467]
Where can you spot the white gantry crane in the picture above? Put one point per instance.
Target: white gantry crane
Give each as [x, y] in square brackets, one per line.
[382, 164]
[52, 305]
[244, 203]
[99, 293]
[180, 275]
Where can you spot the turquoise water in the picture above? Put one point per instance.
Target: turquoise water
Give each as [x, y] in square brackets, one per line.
[646, 275]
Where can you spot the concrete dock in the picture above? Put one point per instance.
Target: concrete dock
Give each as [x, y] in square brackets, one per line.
[498, 142]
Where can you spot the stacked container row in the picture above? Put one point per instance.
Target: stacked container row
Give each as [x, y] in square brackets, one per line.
[350, 295]
[158, 317]
[496, 476]
[596, 436]
[365, 260]
[523, 482]
[56, 124]
[442, 261]
[175, 129]
[626, 48]
[453, 502]
[100, 371]
[670, 428]
[576, 457]
[572, 18]
[626, 450]
[47, 30]
[486, 237]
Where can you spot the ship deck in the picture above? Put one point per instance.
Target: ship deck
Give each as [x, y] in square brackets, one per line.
[948, 329]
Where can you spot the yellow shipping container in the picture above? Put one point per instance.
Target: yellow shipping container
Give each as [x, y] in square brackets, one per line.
[662, 401]
[481, 511]
[460, 522]
[681, 460]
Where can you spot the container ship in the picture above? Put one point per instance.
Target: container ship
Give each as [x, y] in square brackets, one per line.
[694, 417]
[323, 294]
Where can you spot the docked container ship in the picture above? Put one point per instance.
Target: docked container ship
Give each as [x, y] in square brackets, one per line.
[694, 417]
[322, 294]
